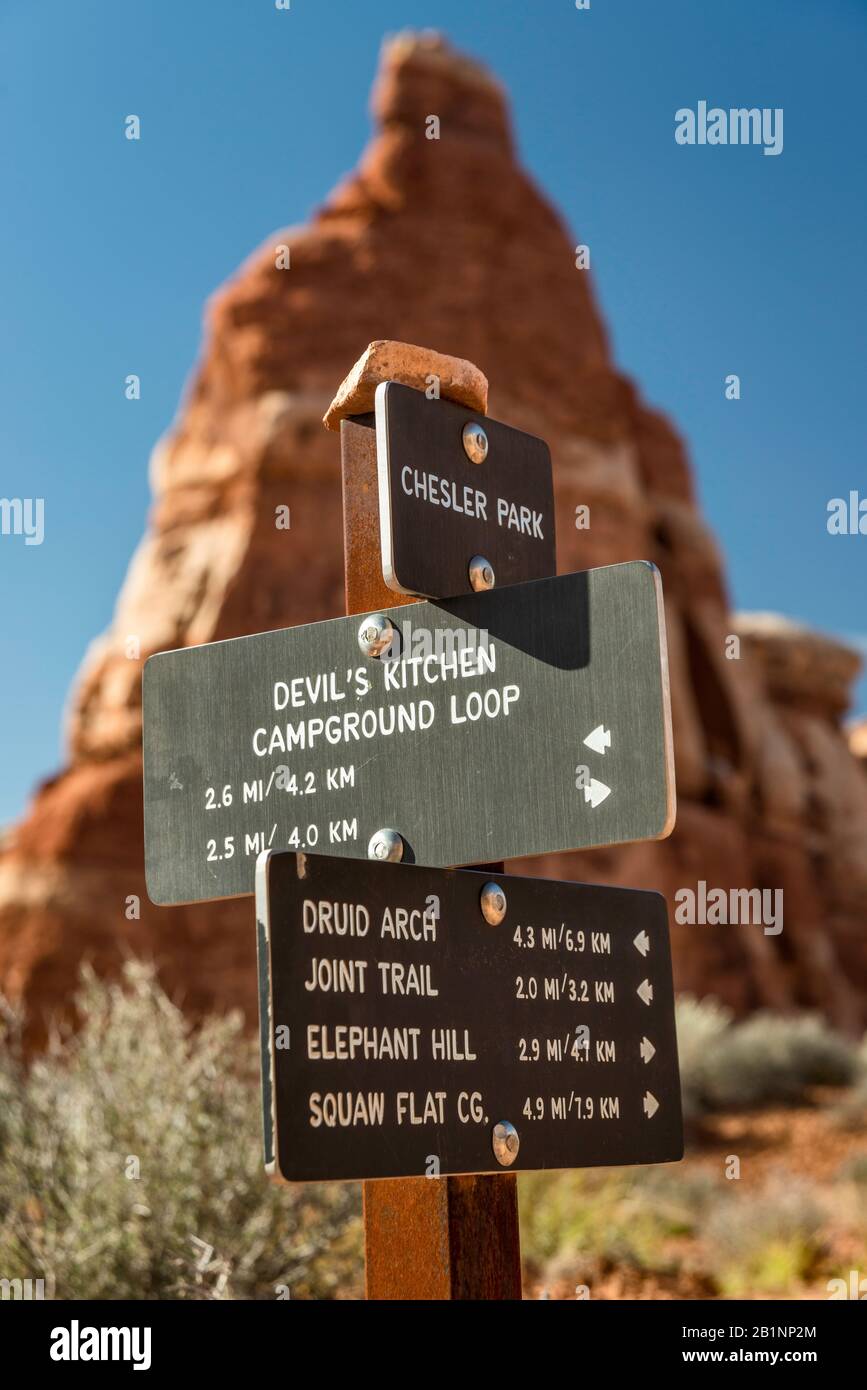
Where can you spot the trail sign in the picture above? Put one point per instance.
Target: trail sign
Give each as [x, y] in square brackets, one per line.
[517, 722]
[456, 488]
[427, 1021]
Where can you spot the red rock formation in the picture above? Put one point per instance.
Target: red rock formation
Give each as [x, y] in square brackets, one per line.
[858, 739]
[446, 243]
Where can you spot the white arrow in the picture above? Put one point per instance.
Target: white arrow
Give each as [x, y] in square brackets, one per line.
[645, 991]
[642, 942]
[647, 1050]
[651, 1105]
[596, 792]
[599, 740]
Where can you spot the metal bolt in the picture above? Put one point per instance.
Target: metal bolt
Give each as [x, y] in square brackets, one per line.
[475, 442]
[375, 634]
[493, 901]
[386, 846]
[481, 573]
[505, 1143]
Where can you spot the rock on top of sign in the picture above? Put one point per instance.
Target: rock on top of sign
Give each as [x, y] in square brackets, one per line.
[384, 360]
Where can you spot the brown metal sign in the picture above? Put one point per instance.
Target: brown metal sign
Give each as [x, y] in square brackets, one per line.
[419, 1021]
[464, 502]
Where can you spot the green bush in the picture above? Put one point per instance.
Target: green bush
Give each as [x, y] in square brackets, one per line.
[572, 1220]
[703, 1029]
[131, 1164]
[767, 1242]
[855, 1170]
[851, 1113]
[767, 1059]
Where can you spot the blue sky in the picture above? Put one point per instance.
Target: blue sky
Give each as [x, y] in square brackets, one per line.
[706, 260]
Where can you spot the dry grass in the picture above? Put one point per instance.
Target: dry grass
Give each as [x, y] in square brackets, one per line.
[130, 1164]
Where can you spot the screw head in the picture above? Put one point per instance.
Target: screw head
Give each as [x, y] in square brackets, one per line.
[493, 902]
[386, 846]
[376, 634]
[481, 573]
[505, 1143]
[475, 442]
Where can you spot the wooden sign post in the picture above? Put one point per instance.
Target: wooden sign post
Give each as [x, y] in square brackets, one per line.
[424, 1238]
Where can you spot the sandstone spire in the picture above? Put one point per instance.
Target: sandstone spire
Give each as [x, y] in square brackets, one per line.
[448, 243]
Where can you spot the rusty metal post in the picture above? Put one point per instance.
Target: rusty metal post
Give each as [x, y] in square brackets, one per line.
[425, 1238]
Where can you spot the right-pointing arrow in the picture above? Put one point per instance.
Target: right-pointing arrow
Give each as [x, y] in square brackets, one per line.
[645, 992]
[647, 1050]
[596, 792]
[642, 942]
[651, 1104]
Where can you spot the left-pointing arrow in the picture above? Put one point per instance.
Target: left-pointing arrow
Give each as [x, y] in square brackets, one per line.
[645, 991]
[599, 740]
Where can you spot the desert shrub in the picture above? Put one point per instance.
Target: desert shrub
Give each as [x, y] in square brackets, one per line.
[131, 1163]
[670, 1221]
[703, 1029]
[767, 1242]
[572, 1220]
[766, 1059]
[855, 1170]
[851, 1112]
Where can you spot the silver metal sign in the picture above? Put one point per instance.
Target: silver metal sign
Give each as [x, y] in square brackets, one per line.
[492, 726]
